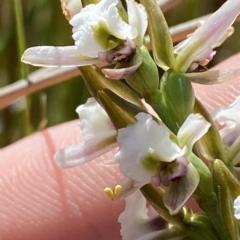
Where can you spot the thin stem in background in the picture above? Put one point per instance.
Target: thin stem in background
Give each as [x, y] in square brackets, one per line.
[24, 68]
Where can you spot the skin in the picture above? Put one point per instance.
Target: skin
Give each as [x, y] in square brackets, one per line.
[41, 201]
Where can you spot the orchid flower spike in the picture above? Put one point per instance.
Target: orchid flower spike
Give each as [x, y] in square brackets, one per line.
[97, 29]
[99, 135]
[147, 154]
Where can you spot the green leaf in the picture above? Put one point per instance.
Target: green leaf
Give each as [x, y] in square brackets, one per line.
[160, 37]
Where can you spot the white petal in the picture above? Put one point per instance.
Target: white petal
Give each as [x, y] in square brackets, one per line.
[237, 207]
[83, 32]
[105, 13]
[49, 56]
[133, 217]
[78, 154]
[214, 76]
[117, 26]
[209, 33]
[194, 127]
[137, 17]
[134, 143]
[94, 120]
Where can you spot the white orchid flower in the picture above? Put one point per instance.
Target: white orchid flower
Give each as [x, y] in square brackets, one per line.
[100, 136]
[200, 44]
[147, 154]
[71, 8]
[146, 144]
[97, 28]
[228, 121]
[197, 50]
[137, 222]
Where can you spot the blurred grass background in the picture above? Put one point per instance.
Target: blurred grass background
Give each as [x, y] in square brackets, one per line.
[45, 25]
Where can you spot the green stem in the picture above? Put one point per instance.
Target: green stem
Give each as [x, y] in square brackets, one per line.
[20, 35]
[23, 67]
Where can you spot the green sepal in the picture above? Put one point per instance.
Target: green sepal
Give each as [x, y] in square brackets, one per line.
[210, 145]
[205, 186]
[155, 197]
[160, 37]
[178, 192]
[120, 111]
[96, 81]
[199, 227]
[145, 79]
[229, 179]
[223, 177]
[211, 206]
[178, 95]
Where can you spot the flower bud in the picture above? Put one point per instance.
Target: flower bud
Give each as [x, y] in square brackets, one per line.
[161, 39]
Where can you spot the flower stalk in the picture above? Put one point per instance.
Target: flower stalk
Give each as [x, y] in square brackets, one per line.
[170, 149]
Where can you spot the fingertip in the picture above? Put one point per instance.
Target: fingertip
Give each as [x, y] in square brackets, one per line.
[39, 200]
[213, 96]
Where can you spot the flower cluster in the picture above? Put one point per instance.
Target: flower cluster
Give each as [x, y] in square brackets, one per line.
[166, 157]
